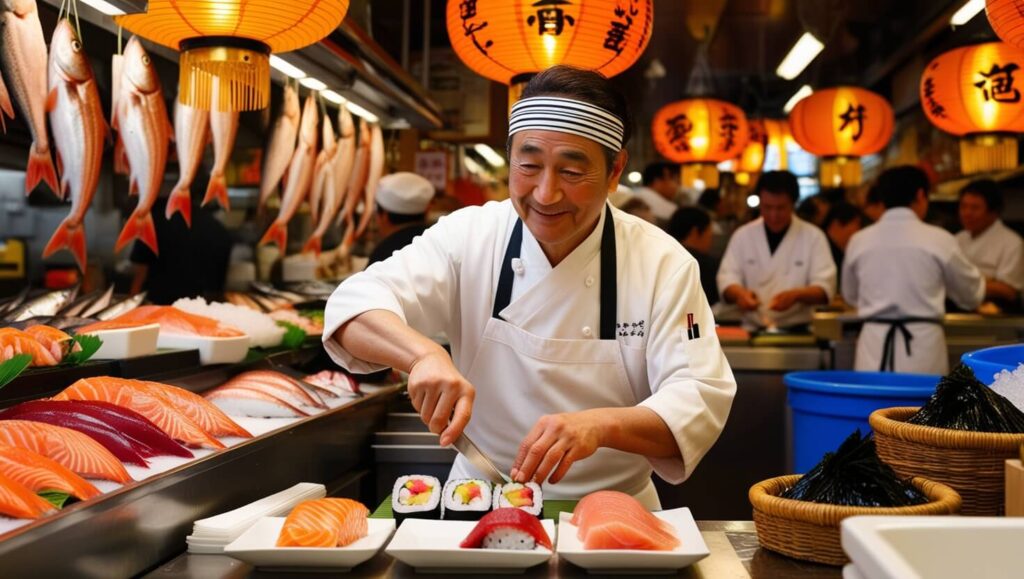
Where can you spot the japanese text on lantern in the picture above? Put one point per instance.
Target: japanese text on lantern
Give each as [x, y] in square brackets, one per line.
[728, 131]
[678, 132]
[853, 114]
[935, 108]
[997, 83]
[467, 12]
[616, 37]
[550, 17]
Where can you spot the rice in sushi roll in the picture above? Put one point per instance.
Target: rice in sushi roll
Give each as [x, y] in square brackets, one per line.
[466, 499]
[527, 497]
[416, 497]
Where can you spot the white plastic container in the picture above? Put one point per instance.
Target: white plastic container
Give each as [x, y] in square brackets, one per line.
[125, 343]
[229, 350]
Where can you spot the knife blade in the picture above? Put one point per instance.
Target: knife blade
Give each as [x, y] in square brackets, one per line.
[477, 458]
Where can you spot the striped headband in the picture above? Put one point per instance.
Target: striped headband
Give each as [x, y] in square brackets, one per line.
[570, 116]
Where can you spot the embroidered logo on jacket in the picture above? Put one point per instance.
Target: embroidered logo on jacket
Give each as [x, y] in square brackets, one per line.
[625, 329]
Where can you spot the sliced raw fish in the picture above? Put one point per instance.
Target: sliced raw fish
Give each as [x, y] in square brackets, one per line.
[56, 341]
[72, 449]
[615, 520]
[134, 426]
[104, 326]
[175, 321]
[324, 523]
[124, 449]
[507, 519]
[16, 342]
[248, 401]
[40, 473]
[19, 502]
[199, 410]
[280, 385]
[338, 383]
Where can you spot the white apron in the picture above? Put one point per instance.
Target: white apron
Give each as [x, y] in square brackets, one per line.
[520, 377]
[909, 345]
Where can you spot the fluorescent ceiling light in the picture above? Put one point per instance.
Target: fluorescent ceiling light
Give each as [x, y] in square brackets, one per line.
[362, 113]
[804, 92]
[473, 166]
[489, 155]
[313, 83]
[966, 12]
[286, 67]
[802, 53]
[333, 97]
[635, 177]
[104, 7]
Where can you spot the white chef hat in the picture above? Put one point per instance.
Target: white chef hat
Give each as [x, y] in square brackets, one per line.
[404, 193]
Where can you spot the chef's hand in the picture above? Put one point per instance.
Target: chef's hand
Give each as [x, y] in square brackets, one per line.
[443, 398]
[747, 300]
[555, 443]
[785, 300]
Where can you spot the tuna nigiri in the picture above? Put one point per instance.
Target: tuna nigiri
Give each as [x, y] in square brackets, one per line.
[615, 520]
[324, 523]
[280, 385]
[199, 410]
[59, 414]
[507, 528]
[147, 402]
[72, 449]
[18, 501]
[175, 321]
[15, 342]
[39, 473]
[334, 382]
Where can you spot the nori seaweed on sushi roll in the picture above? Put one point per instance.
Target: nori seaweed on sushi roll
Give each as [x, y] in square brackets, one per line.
[526, 497]
[416, 497]
[466, 499]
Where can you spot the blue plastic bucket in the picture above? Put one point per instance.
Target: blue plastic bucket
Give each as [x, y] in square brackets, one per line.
[991, 361]
[829, 405]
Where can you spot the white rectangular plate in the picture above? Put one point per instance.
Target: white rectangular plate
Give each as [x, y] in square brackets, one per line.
[258, 546]
[125, 343]
[433, 546]
[691, 549]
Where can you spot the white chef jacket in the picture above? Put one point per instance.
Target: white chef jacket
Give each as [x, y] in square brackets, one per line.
[997, 252]
[446, 279]
[661, 208]
[801, 259]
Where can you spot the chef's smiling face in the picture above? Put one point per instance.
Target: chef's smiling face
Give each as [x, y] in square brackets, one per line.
[559, 184]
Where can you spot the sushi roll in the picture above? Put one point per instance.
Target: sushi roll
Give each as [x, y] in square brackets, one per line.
[527, 497]
[508, 529]
[466, 499]
[416, 497]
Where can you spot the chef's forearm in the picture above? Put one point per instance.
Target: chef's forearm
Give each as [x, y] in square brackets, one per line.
[636, 430]
[813, 295]
[381, 337]
[732, 293]
[995, 289]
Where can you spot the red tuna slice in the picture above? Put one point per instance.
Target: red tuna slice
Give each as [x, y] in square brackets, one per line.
[507, 518]
[124, 449]
[133, 425]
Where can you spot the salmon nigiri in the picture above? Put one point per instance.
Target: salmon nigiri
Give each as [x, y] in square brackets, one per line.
[615, 520]
[175, 321]
[324, 523]
[18, 501]
[15, 342]
[199, 410]
[57, 342]
[39, 473]
[74, 450]
[136, 396]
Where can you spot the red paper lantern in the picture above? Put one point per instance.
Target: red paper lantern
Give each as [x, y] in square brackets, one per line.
[1007, 19]
[699, 134]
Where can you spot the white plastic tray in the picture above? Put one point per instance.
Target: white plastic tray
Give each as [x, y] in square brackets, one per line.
[125, 343]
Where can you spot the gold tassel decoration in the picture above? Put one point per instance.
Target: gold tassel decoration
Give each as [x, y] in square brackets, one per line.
[840, 171]
[240, 66]
[987, 153]
[693, 172]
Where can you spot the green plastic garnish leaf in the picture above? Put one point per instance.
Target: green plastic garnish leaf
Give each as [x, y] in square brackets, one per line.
[56, 498]
[315, 315]
[294, 336]
[10, 369]
[88, 345]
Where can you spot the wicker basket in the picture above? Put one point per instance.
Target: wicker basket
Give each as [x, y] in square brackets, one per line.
[810, 531]
[973, 463]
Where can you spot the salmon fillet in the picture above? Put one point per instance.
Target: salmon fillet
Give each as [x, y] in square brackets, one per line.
[324, 523]
[39, 473]
[71, 448]
[101, 326]
[199, 410]
[15, 342]
[17, 501]
[57, 342]
[615, 520]
[176, 321]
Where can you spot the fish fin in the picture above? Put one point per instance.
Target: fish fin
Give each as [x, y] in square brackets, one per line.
[51, 100]
[170, 129]
[313, 245]
[278, 233]
[121, 165]
[71, 237]
[284, 177]
[40, 168]
[133, 186]
[180, 200]
[138, 227]
[217, 189]
[60, 173]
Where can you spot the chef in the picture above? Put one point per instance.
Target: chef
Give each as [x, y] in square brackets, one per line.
[995, 249]
[402, 200]
[661, 183]
[778, 266]
[583, 351]
[898, 273]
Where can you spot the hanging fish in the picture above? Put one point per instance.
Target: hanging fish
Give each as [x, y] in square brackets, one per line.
[325, 187]
[360, 172]
[142, 121]
[224, 127]
[76, 118]
[191, 131]
[5, 105]
[300, 177]
[23, 54]
[344, 157]
[373, 179]
[116, 68]
[279, 151]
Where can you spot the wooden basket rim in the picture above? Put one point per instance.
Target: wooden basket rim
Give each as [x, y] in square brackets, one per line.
[891, 422]
[764, 497]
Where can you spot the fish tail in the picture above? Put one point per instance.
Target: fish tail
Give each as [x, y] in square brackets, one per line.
[40, 168]
[68, 236]
[278, 233]
[139, 226]
[217, 189]
[180, 200]
[313, 245]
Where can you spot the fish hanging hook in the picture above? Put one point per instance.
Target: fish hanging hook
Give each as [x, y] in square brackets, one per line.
[120, 48]
[78, 23]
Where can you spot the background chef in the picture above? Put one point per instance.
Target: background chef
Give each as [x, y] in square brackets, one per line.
[402, 201]
[582, 344]
[995, 249]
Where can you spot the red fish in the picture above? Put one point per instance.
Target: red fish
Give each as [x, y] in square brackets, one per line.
[224, 128]
[510, 519]
[615, 520]
[150, 439]
[72, 449]
[324, 523]
[300, 177]
[279, 151]
[191, 131]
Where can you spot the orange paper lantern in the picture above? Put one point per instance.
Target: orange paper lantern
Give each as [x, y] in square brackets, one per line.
[972, 92]
[778, 139]
[231, 40]
[1007, 19]
[840, 125]
[506, 39]
[699, 134]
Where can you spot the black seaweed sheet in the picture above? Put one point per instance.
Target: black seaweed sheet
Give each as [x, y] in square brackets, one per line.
[961, 402]
[854, 476]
